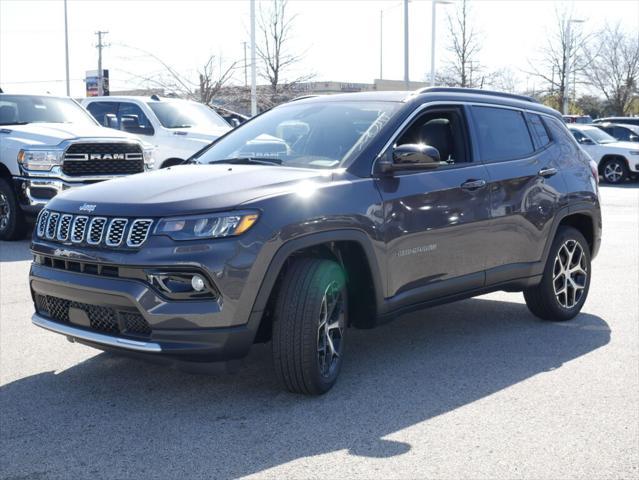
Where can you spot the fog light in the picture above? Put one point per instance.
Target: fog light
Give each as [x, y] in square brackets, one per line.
[197, 283]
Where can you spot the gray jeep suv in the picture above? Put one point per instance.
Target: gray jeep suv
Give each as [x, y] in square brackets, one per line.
[318, 215]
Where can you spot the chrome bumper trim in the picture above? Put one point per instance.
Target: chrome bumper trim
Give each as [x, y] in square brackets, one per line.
[94, 337]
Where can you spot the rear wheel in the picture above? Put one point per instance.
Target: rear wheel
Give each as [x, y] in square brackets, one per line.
[566, 278]
[615, 171]
[12, 221]
[309, 325]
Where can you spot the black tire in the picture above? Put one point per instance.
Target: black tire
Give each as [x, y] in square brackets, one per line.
[615, 171]
[13, 225]
[542, 300]
[297, 333]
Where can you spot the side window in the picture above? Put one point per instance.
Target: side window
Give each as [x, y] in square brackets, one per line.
[539, 130]
[105, 113]
[578, 135]
[503, 134]
[444, 129]
[620, 133]
[132, 119]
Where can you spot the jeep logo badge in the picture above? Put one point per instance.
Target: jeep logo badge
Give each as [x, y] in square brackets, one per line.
[87, 207]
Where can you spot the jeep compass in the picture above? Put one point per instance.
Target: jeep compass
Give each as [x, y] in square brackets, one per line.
[322, 214]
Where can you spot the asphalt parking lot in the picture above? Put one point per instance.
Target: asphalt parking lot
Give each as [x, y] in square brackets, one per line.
[476, 389]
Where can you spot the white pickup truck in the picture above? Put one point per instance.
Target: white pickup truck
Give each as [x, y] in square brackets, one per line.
[176, 128]
[617, 161]
[49, 144]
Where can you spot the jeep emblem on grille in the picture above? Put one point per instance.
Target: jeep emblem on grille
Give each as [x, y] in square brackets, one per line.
[87, 207]
[107, 156]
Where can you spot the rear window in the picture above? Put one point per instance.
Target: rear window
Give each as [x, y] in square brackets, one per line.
[539, 130]
[503, 134]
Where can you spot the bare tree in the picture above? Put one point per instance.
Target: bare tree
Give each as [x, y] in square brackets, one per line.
[463, 68]
[561, 58]
[613, 67]
[275, 26]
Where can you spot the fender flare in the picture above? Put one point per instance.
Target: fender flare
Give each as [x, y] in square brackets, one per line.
[583, 208]
[287, 249]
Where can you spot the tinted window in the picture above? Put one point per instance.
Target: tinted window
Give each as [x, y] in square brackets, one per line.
[620, 133]
[503, 134]
[539, 130]
[132, 119]
[23, 109]
[186, 115]
[99, 110]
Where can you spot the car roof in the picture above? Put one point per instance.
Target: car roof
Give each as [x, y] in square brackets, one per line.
[581, 126]
[139, 98]
[619, 124]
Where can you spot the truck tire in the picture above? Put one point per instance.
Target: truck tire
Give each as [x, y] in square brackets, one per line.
[566, 279]
[615, 171]
[309, 324]
[12, 221]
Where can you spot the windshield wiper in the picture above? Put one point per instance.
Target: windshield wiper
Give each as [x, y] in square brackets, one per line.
[249, 161]
[14, 123]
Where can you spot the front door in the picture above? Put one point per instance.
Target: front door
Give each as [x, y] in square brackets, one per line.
[435, 221]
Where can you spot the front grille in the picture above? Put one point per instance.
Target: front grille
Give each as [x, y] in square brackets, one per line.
[93, 231]
[102, 319]
[87, 159]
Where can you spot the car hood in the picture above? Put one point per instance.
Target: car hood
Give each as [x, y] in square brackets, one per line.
[621, 146]
[185, 189]
[51, 134]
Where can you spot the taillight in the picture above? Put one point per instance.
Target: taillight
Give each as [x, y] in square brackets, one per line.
[595, 171]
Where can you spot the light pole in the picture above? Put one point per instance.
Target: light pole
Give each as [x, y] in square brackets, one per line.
[253, 60]
[406, 79]
[381, 44]
[433, 38]
[66, 48]
[569, 64]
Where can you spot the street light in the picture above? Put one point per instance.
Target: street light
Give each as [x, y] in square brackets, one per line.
[564, 106]
[432, 42]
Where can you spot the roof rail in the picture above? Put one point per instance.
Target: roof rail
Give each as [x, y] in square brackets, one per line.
[477, 91]
[302, 97]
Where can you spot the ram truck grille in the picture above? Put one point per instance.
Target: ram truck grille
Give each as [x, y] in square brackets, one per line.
[127, 233]
[91, 159]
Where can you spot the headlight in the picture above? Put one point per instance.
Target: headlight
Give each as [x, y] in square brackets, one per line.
[148, 152]
[39, 159]
[634, 152]
[213, 225]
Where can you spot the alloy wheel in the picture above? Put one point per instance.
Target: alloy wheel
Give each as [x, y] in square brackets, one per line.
[330, 331]
[5, 211]
[570, 274]
[613, 172]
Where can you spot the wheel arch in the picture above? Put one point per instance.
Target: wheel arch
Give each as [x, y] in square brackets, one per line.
[584, 219]
[353, 250]
[5, 172]
[608, 157]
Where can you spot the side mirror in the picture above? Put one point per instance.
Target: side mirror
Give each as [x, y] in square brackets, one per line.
[586, 141]
[235, 122]
[411, 156]
[111, 121]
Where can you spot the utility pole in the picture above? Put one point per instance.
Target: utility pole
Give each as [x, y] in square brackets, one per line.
[253, 63]
[406, 78]
[245, 66]
[381, 43]
[100, 46]
[66, 48]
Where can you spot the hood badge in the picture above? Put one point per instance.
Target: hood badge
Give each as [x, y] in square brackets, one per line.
[87, 207]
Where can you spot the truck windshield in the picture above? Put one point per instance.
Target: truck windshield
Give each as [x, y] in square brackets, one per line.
[186, 115]
[23, 109]
[310, 135]
[599, 136]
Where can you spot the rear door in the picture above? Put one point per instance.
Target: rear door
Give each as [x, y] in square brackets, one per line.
[524, 184]
[435, 221]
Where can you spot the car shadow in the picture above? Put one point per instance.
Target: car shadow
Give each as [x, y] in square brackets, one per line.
[131, 419]
[631, 184]
[15, 251]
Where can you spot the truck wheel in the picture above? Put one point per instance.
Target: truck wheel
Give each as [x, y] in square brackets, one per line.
[12, 221]
[566, 278]
[309, 324]
[615, 171]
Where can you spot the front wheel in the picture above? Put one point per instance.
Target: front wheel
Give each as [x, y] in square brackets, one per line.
[309, 324]
[566, 279]
[12, 221]
[615, 171]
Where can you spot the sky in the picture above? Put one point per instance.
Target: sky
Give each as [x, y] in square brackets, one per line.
[340, 39]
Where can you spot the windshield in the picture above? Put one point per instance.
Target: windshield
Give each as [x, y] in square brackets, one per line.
[311, 135]
[599, 136]
[23, 109]
[186, 115]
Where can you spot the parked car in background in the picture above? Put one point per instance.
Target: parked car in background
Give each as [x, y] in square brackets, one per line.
[320, 214]
[616, 160]
[624, 120]
[585, 119]
[234, 119]
[623, 133]
[177, 128]
[49, 144]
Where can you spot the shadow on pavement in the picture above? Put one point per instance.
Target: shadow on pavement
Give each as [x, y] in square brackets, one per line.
[15, 251]
[119, 417]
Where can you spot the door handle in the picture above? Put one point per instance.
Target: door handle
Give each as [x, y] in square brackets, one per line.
[473, 184]
[547, 172]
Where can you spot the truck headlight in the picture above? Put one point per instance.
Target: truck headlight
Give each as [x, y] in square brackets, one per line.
[214, 225]
[149, 159]
[40, 159]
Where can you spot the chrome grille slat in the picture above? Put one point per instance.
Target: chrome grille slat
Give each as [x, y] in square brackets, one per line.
[115, 233]
[139, 232]
[96, 229]
[52, 225]
[93, 231]
[79, 227]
